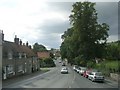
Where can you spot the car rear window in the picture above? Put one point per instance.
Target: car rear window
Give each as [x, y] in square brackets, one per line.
[98, 74]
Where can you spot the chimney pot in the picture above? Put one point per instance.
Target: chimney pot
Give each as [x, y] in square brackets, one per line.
[16, 40]
[27, 43]
[2, 36]
[30, 46]
[23, 44]
[20, 42]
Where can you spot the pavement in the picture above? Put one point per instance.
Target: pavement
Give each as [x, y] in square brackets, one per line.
[21, 77]
[111, 82]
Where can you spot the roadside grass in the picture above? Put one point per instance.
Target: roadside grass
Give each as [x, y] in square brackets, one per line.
[106, 67]
[45, 69]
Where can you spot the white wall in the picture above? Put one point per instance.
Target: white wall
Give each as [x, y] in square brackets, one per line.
[0, 59]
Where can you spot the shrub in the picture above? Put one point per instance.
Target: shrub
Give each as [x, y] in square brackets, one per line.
[49, 62]
[107, 67]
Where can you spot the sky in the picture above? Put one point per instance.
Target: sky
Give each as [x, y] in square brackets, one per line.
[45, 21]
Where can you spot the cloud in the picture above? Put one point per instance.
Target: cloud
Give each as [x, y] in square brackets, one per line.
[44, 22]
[108, 13]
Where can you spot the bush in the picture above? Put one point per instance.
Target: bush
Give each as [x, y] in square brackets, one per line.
[107, 67]
[49, 62]
[80, 61]
[112, 66]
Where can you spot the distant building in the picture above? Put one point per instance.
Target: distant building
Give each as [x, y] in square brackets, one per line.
[43, 54]
[17, 58]
[56, 52]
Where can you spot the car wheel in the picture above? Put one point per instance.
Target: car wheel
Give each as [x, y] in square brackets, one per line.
[89, 78]
[92, 80]
[102, 81]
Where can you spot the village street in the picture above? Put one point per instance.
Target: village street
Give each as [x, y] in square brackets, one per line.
[54, 79]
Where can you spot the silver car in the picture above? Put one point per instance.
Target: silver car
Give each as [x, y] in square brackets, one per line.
[96, 76]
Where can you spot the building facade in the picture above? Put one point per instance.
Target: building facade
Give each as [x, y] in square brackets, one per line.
[17, 58]
[0, 59]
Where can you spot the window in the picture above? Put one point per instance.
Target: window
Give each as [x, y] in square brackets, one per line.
[10, 55]
[9, 69]
[20, 68]
[24, 55]
[20, 55]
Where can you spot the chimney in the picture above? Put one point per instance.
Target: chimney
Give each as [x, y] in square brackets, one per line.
[30, 46]
[16, 40]
[23, 44]
[27, 43]
[2, 36]
[20, 42]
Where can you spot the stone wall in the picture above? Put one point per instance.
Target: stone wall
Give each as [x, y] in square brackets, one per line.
[114, 76]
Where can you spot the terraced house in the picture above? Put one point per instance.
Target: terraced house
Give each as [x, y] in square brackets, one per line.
[17, 58]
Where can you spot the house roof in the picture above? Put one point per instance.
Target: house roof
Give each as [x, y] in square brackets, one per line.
[15, 48]
[43, 54]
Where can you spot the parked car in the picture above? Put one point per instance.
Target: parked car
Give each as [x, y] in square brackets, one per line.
[60, 61]
[82, 70]
[75, 67]
[63, 64]
[64, 70]
[87, 72]
[96, 76]
[78, 69]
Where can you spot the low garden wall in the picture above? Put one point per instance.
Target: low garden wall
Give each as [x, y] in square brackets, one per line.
[114, 76]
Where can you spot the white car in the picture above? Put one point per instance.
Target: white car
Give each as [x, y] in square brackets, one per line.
[78, 69]
[64, 70]
[96, 76]
[82, 70]
[75, 67]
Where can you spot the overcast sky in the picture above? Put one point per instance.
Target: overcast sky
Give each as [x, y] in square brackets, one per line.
[45, 22]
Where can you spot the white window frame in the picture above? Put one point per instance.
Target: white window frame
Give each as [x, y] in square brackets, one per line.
[10, 55]
[25, 56]
[20, 55]
[10, 69]
[20, 68]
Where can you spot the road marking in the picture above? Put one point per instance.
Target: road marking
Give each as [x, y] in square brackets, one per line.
[73, 78]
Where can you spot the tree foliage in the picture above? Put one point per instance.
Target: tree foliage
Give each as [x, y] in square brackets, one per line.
[86, 39]
[113, 51]
[38, 48]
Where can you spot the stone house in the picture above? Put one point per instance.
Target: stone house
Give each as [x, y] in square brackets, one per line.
[17, 58]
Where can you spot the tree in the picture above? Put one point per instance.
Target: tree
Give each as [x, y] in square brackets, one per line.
[86, 38]
[38, 48]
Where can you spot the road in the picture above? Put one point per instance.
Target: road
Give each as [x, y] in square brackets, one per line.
[54, 79]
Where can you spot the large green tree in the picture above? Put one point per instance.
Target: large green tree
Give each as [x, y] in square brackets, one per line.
[87, 38]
